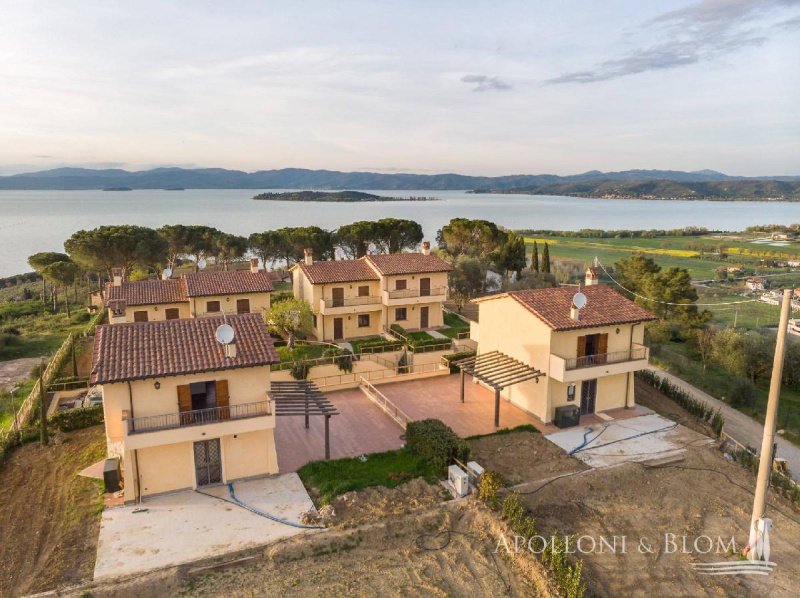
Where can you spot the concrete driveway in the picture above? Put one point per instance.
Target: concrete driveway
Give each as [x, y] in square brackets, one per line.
[187, 526]
[740, 425]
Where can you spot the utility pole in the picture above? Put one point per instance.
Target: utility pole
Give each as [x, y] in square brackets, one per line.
[765, 458]
[42, 406]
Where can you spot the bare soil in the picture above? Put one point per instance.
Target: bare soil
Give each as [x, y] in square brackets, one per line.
[49, 517]
[16, 370]
[522, 456]
[651, 398]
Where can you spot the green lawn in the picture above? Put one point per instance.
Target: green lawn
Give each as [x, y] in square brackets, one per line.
[329, 479]
[682, 360]
[9, 406]
[302, 351]
[453, 325]
[30, 329]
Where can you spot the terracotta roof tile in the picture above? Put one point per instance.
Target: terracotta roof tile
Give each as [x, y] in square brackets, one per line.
[604, 307]
[175, 347]
[146, 292]
[408, 263]
[338, 271]
[199, 284]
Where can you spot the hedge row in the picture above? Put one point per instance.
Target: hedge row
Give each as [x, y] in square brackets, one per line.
[452, 357]
[414, 343]
[436, 442]
[379, 345]
[78, 418]
[699, 409]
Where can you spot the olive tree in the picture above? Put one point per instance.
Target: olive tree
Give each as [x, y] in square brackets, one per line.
[290, 318]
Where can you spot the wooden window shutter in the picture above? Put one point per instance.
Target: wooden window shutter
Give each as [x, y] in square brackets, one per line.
[223, 399]
[602, 347]
[581, 346]
[184, 403]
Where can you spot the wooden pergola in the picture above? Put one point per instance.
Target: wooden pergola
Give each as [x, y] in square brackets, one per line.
[303, 398]
[497, 370]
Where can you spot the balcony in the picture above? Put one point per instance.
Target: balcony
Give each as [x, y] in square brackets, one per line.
[170, 428]
[414, 296]
[573, 369]
[349, 305]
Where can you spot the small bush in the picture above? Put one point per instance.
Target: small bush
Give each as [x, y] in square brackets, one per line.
[450, 358]
[436, 442]
[11, 330]
[300, 370]
[345, 362]
[81, 317]
[78, 418]
[742, 393]
[489, 484]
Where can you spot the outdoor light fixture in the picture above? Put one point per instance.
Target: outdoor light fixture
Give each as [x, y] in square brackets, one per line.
[570, 392]
[157, 385]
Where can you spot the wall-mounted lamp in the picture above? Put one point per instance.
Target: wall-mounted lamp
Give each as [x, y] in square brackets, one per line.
[571, 392]
[157, 385]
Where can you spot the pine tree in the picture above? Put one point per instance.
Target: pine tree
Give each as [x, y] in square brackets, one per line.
[535, 258]
[546, 259]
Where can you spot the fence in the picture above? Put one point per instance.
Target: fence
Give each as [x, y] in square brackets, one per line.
[383, 374]
[382, 401]
[785, 481]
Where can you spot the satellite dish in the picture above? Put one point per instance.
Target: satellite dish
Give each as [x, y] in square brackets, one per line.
[579, 301]
[224, 334]
[201, 264]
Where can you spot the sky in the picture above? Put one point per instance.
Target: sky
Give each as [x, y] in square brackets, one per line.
[481, 88]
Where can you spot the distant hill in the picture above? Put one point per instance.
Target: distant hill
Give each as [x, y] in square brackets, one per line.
[344, 196]
[731, 190]
[298, 178]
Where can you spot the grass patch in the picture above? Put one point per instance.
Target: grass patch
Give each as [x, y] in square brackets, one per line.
[329, 479]
[453, 325]
[301, 352]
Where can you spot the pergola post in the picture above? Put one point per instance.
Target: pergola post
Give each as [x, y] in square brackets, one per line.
[306, 397]
[496, 407]
[463, 375]
[327, 438]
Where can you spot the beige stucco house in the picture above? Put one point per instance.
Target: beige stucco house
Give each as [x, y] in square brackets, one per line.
[181, 410]
[364, 297]
[192, 295]
[588, 356]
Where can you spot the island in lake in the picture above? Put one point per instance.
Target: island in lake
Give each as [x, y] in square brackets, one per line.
[343, 196]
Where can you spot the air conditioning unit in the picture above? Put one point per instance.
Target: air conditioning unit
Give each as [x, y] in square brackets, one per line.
[459, 480]
[567, 416]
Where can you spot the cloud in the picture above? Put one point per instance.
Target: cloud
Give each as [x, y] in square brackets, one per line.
[701, 31]
[486, 83]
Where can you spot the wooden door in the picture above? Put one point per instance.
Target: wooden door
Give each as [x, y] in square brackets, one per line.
[338, 328]
[208, 462]
[602, 347]
[424, 287]
[588, 396]
[337, 295]
[185, 404]
[223, 399]
[423, 317]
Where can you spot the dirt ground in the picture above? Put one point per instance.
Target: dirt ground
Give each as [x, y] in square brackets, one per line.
[649, 397]
[49, 516]
[522, 456]
[16, 370]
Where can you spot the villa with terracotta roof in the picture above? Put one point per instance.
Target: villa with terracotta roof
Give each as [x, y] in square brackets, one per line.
[190, 296]
[364, 297]
[588, 356]
[182, 410]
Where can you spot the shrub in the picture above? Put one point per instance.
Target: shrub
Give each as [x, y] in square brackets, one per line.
[450, 358]
[433, 440]
[300, 370]
[78, 418]
[81, 317]
[345, 362]
[378, 345]
[489, 484]
[11, 330]
[742, 393]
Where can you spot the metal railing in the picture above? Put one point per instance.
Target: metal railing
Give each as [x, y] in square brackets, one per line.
[382, 401]
[587, 361]
[197, 417]
[408, 293]
[383, 374]
[350, 301]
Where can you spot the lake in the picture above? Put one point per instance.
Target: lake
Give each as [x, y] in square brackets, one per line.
[35, 221]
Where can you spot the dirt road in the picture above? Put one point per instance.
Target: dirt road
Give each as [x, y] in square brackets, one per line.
[49, 516]
[739, 425]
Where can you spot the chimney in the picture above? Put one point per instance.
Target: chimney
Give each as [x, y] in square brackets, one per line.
[592, 277]
[254, 265]
[116, 275]
[426, 248]
[309, 253]
[230, 350]
[575, 313]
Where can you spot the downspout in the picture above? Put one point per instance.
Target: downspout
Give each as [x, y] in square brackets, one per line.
[630, 374]
[137, 493]
[322, 328]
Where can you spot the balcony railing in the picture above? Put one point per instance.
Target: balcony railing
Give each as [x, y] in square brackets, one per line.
[351, 301]
[588, 361]
[409, 293]
[197, 417]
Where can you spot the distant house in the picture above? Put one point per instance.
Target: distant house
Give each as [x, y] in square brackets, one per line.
[364, 297]
[182, 410]
[785, 236]
[756, 283]
[588, 356]
[192, 295]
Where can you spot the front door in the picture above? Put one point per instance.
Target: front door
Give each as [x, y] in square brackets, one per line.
[588, 396]
[424, 287]
[337, 295]
[207, 462]
[423, 317]
[338, 328]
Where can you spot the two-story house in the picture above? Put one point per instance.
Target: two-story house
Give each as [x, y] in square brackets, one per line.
[364, 297]
[182, 410]
[588, 355]
[192, 295]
